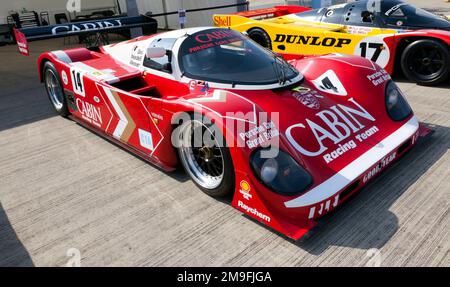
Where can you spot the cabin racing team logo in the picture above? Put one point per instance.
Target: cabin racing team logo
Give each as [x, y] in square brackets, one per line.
[340, 124]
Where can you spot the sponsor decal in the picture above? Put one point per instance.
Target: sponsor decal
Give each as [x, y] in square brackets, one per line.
[323, 208]
[245, 189]
[89, 112]
[312, 40]
[308, 98]
[394, 8]
[195, 84]
[137, 57]
[145, 139]
[377, 169]
[379, 77]
[22, 42]
[64, 78]
[253, 211]
[336, 124]
[358, 30]
[220, 21]
[260, 134]
[157, 116]
[75, 28]
[213, 39]
[330, 83]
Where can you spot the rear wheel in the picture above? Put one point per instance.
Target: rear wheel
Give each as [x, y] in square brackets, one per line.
[205, 157]
[261, 37]
[54, 89]
[426, 62]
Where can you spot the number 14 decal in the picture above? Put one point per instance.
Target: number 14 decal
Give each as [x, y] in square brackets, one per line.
[77, 77]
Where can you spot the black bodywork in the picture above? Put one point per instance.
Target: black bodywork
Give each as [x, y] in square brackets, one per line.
[389, 14]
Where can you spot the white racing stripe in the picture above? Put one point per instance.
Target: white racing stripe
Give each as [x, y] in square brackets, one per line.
[106, 75]
[356, 168]
[62, 56]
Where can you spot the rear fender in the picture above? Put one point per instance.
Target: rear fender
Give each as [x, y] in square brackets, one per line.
[63, 58]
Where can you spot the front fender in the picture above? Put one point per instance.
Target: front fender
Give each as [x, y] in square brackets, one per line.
[345, 76]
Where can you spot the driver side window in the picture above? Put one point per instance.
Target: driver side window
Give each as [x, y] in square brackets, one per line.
[357, 15]
[163, 64]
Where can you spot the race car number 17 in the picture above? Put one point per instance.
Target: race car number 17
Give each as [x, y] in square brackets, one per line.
[78, 81]
[374, 49]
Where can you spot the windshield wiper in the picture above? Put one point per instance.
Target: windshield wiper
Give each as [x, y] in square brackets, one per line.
[280, 62]
[277, 70]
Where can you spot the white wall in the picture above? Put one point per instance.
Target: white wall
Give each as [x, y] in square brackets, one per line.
[51, 6]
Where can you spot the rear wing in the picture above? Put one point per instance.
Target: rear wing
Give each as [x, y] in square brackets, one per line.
[23, 36]
[228, 20]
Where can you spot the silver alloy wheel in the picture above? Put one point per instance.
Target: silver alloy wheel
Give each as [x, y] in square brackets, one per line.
[204, 164]
[54, 89]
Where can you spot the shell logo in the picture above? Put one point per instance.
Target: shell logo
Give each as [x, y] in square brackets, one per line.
[245, 189]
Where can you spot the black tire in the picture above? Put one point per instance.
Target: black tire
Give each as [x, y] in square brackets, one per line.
[227, 182]
[426, 62]
[261, 37]
[56, 91]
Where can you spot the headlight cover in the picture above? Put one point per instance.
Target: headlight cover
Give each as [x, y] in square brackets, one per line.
[396, 105]
[282, 174]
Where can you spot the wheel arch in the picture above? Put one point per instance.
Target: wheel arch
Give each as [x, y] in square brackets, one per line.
[41, 63]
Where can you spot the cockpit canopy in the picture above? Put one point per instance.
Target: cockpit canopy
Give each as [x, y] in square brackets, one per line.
[378, 14]
[226, 56]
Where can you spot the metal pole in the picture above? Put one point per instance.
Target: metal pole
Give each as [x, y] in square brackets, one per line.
[242, 7]
[133, 10]
[166, 21]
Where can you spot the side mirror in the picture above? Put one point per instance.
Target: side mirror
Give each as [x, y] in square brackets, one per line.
[155, 52]
[367, 16]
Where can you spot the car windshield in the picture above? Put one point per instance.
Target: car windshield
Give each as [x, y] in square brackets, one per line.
[403, 14]
[227, 56]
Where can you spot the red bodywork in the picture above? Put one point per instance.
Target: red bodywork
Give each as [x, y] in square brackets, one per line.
[134, 109]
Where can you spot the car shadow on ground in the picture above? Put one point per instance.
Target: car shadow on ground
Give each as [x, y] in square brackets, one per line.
[400, 78]
[365, 221]
[12, 252]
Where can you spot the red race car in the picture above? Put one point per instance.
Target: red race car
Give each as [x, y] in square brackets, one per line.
[289, 141]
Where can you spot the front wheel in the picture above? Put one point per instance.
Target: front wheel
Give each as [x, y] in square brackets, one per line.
[261, 37]
[54, 89]
[205, 157]
[426, 62]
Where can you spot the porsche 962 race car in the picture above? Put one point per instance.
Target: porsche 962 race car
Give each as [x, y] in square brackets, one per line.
[391, 33]
[290, 142]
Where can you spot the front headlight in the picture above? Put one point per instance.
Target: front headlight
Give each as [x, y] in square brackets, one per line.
[282, 174]
[396, 105]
